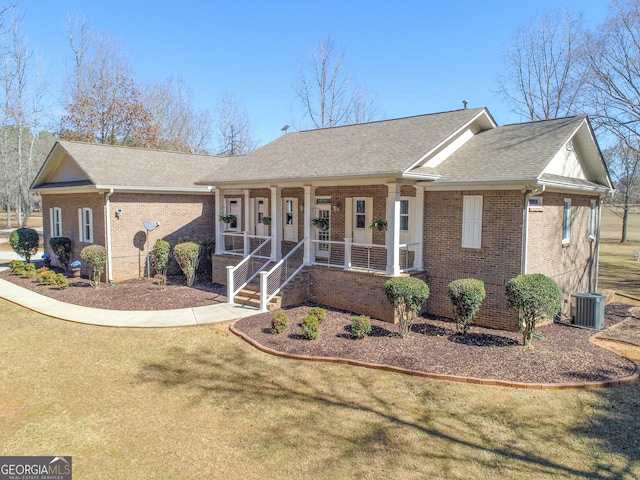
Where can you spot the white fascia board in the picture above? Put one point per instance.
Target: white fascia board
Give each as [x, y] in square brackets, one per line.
[569, 186]
[129, 188]
[63, 190]
[460, 130]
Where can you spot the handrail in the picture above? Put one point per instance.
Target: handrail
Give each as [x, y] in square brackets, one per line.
[243, 266]
[265, 295]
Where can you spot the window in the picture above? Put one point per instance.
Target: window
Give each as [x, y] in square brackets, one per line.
[55, 215]
[85, 220]
[592, 220]
[472, 221]
[288, 212]
[535, 204]
[404, 215]
[566, 222]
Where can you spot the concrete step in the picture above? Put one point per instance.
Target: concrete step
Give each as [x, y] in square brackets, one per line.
[252, 298]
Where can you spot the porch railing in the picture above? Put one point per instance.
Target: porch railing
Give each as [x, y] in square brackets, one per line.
[361, 256]
[281, 274]
[239, 276]
[240, 243]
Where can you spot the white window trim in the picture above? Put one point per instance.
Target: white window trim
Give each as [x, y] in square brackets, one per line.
[535, 204]
[566, 222]
[85, 236]
[55, 216]
[472, 221]
[592, 220]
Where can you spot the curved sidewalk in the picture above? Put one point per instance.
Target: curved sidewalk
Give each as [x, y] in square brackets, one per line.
[122, 318]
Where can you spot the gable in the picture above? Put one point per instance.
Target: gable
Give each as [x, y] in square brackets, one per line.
[60, 168]
[567, 163]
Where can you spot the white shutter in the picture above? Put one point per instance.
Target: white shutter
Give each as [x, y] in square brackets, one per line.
[52, 232]
[80, 226]
[89, 238]
[472, 221]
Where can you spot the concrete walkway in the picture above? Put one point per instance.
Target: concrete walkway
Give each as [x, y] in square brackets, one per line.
[181, 317]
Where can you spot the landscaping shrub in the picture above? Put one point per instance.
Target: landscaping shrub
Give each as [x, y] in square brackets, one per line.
[46, 276]
[61, 246]
[18, 267]
[360, 326]
[319, 313]
[24, 242]
[535, 296]
[310, 327]
[29, 270]
[466, 295]
[279, 322]
[95, 257]
[406, 294]
[160, 260]
[187, 254]
[61, 281]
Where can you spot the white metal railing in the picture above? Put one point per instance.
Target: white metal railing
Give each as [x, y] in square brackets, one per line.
[247, 269]
[408, 256]
[281, 274]
[240, 243]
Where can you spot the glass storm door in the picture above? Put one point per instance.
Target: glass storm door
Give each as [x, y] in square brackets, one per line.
[261, 211]
[233, 208]
[323, 249]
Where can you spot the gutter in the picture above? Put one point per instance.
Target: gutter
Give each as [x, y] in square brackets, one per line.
[525, 225]
[124, 188]
[109, 250]
[597, 259]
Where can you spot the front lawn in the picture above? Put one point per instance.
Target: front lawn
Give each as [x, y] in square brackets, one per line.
[198, 402]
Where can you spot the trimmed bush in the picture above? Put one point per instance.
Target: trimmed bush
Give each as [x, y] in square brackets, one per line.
[95, 257]
[360, 326]
[61, 247]
[24, 242]
[406, 295]
[187, 254]
[61, 281]
[466, 295]
[29, 270]
[18, 267]
[319, 313]
[279, 322]
[536, 297]
[46, 276]
[160, 260]
[310, 327]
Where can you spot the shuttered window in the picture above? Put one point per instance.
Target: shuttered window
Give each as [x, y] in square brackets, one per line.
[85, 220]
[472, 221]
[55, 215]
[566, 222]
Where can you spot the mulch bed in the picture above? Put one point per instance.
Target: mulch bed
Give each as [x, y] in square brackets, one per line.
[136, 294]
[565, 355]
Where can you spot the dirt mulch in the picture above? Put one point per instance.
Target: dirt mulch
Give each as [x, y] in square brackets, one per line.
[565, 355]
[136, 294]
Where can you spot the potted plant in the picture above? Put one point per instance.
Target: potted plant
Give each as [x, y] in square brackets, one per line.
[266, 220]
[320, 222]
[76, 267]
[379, 225]
[226, 218]
[46, 257]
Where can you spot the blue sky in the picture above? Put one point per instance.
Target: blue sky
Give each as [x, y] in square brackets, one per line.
[415, 56]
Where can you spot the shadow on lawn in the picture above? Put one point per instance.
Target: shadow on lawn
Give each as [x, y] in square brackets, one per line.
[237, 377]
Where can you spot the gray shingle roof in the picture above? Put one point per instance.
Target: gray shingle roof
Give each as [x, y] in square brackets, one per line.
[510, 153]
[384, 147]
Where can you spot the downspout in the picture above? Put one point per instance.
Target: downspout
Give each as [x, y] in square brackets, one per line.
[108, 213]
[597, 259]
[525, 228]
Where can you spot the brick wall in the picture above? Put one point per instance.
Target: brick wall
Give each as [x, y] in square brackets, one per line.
[571, 266]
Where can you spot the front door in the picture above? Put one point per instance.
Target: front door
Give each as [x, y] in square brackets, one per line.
[261, 212]
[290, 220]
[361, 220]
[233, 208]
[323, 235]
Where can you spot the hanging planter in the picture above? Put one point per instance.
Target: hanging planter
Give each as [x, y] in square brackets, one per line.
[266, 220]
[226, 218]
[379, 225]
[320, 223]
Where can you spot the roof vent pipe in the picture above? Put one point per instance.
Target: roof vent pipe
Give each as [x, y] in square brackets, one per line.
[464, 103]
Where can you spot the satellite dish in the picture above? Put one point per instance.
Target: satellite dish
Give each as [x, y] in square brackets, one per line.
[149, 225]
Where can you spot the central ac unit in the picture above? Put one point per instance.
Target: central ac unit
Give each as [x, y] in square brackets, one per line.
[587, 310]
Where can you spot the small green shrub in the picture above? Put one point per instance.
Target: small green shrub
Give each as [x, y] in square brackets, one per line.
[29, 270]
[279, 322]
[466, 295]
[535, 296]
[160, 260]
[187, 254]
[46, 276]
[61, 281]
[13, 263]
[319, 313]
[18, 268]
[406, 294]
[39, 272]
[24, 242]
[310, 327]
[95, 257]
[360, 326]
[61, 247]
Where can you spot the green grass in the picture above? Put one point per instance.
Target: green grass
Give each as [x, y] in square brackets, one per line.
[198, 402]
[618, 269]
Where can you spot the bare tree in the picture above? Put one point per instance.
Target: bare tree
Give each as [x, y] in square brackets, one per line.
[543, 77]
[623, 161]
[179, 125]
[326, 91]
[234, 133]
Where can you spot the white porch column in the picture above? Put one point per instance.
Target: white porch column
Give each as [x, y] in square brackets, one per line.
[248, 221]
[309, 250]
[418, 220]
[218, 211]
[276, 223]
[393, 230]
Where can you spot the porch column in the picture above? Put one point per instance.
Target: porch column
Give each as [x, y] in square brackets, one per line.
[219, 199]
[309, 251]
[393, 230]
[247, 222]
[276, 223]
[418, 219]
